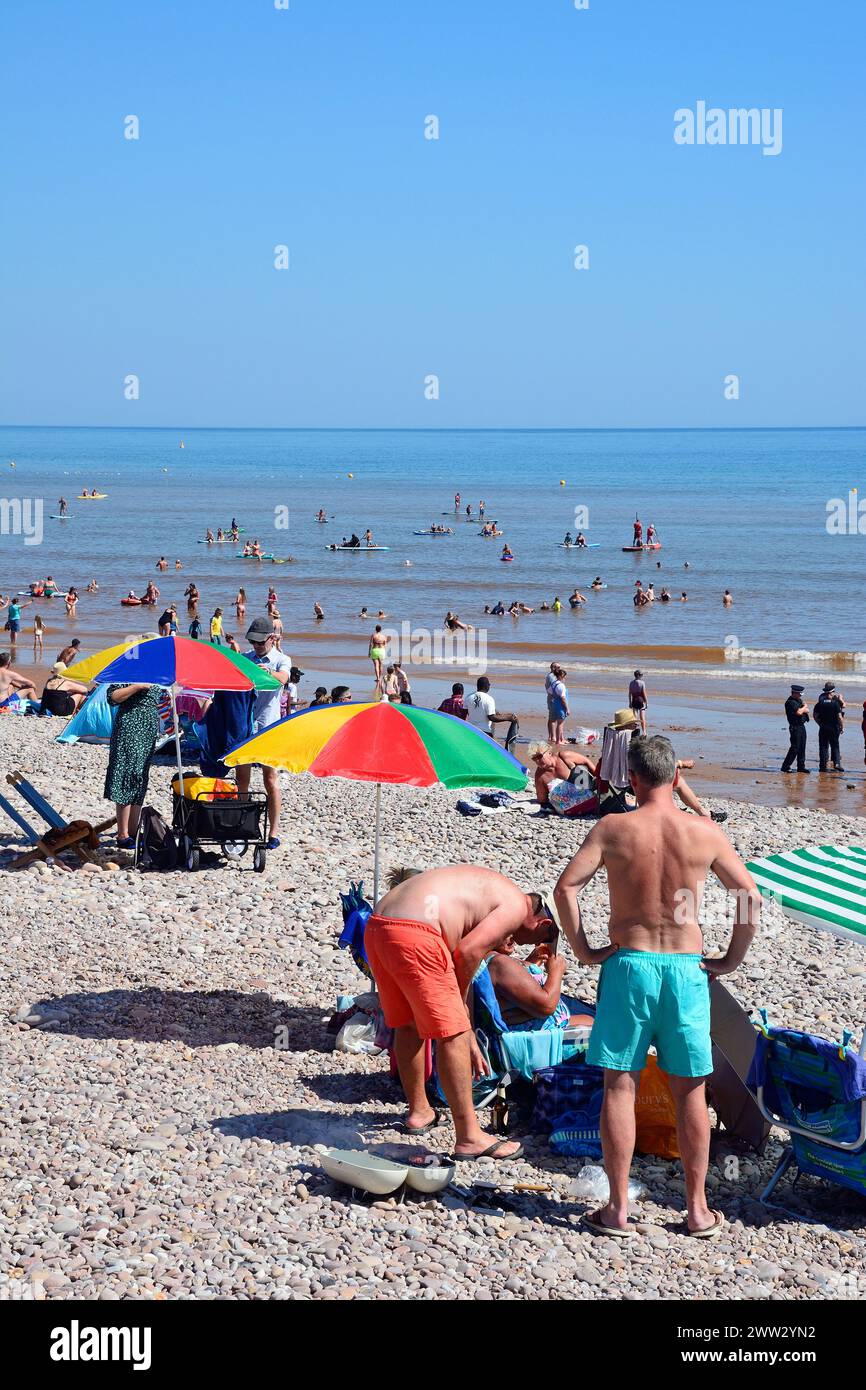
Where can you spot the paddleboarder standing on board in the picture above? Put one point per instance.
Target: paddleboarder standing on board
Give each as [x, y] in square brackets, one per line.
[650, 534]
[638, 532]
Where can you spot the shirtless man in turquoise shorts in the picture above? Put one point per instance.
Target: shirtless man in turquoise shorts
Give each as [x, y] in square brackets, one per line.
[654, 985]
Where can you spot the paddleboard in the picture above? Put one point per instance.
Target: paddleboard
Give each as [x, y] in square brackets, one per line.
[636, 549]
[590, 545]
[358, 549]
[90, 498]
[240, 556]
[67, 517]
[431, 533]
[226, 540]
[506, 559]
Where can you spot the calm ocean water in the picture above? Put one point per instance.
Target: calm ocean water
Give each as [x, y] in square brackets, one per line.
[747, 510]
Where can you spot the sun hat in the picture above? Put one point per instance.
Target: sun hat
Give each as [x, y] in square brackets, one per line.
[624, 719]
[59, 668]
[259, 630]
[828, 686]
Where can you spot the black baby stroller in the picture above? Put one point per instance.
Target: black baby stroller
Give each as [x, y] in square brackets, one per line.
[213, 812]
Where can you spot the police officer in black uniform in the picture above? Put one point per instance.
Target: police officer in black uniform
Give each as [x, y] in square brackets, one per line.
[797, 715]
[828, 714]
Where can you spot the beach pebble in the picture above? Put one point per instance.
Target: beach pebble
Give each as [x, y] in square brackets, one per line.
[169, 1083]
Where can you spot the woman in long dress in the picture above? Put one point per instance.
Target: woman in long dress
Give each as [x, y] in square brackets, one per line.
[133, 739]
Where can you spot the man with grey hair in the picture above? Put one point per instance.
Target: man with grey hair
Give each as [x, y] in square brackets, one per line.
[654, 985]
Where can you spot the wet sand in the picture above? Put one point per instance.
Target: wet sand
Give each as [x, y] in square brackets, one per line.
[732, 726]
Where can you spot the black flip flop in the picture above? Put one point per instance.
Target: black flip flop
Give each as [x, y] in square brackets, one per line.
[491, 1152]
[422, 1129]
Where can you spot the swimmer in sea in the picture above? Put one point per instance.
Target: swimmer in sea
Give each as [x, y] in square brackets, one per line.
[363, 613]
[453, 623]
[507, 554]
[576, 599]
[544, 606]
[93, 587]
[727, 598]
[178, 565]
[557, 604]
[665, 596]
[596, 583]
[684, 598]
[162, 563]
[319, 612]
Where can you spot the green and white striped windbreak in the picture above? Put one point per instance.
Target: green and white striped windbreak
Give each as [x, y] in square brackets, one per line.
[823, 886]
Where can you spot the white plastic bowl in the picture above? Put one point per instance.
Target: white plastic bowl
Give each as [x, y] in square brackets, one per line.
[359, 1169]
[429, 1177]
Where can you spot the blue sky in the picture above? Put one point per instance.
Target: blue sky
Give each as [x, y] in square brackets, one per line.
[411, 257]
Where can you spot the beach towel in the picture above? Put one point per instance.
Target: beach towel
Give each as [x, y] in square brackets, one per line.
[227, 723]
[93, 722]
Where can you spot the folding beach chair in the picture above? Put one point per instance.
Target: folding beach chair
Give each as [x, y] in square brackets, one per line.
[79, 835]
[817, 1091]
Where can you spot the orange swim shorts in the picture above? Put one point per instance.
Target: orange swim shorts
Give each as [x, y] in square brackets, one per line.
[414, 974]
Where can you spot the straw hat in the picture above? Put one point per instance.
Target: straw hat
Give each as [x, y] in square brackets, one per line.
[624, 719]
[59, 668]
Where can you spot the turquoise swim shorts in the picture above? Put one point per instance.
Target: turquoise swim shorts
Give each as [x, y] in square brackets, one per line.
[658, 998]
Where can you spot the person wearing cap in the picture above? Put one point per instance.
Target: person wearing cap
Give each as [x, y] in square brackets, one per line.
[266, 711]
[797, 715]
[320, 697]
[637, 699]
[424, 942]
[829, 715]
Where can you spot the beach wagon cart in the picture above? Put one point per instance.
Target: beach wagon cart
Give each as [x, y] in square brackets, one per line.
[214, 813]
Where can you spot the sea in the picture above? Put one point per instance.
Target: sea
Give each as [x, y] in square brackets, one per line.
[753, 511]
[771, 515]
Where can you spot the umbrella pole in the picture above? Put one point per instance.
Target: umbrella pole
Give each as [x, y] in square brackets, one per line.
[376, 850]
[176, 739]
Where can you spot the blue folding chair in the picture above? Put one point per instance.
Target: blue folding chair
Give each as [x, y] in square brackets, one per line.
[817, 1091]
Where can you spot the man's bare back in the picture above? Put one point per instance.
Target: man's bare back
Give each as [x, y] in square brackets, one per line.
[456, 899]
[657, 862]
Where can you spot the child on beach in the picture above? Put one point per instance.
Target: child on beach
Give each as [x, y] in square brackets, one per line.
[216, 627]
[38, 635]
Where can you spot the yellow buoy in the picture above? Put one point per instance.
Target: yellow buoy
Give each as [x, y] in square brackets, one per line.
[350, 475]
[562, 482]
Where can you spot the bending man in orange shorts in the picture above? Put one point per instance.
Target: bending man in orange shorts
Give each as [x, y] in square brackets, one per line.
[424, 943]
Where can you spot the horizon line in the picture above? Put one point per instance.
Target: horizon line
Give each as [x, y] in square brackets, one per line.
[450, 429]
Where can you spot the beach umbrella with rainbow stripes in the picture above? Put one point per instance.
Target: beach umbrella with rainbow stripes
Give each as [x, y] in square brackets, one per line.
[175, 663]
[822, 885]
[380, 742]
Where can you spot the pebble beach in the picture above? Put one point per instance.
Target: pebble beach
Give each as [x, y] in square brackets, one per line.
[170, 1082]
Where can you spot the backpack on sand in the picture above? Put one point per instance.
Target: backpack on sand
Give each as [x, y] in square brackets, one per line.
[155, 845]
